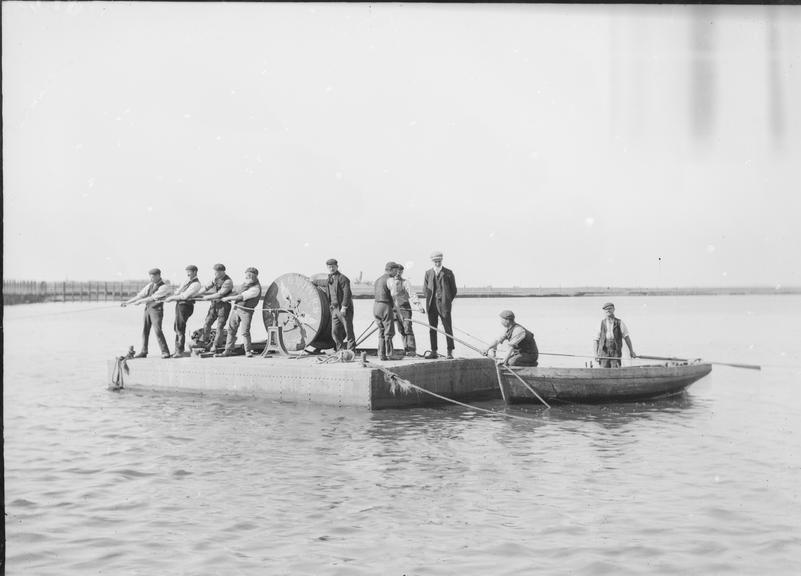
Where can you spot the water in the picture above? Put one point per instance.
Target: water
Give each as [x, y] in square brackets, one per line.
[156, 483]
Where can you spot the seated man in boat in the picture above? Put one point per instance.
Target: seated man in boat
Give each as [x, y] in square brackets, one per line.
[609, 341]
[245, 300]
[522, 346]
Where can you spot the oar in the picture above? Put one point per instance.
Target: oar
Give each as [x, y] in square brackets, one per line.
[670, 359]
[530, 389]
[366, 336]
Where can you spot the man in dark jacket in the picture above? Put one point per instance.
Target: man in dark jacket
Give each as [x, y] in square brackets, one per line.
[609, 341]
[341, 302]
[439, 286]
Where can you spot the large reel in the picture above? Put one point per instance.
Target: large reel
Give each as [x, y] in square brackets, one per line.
[300, 306]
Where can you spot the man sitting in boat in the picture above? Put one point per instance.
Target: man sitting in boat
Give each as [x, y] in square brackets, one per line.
[609, 341]
[522, 346]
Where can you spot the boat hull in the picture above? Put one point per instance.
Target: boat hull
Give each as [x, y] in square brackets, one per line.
[599, 385]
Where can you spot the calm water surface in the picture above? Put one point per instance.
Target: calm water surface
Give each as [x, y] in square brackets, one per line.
[149, 483]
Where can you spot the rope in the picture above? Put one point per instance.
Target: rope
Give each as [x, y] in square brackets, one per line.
[396, 382]
[62, 312]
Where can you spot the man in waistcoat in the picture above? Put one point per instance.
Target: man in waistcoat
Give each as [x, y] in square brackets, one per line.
[152, 296]
[340, 299]
[439, 286]
[609, 341]
[245, 300]
[220, 287]
[522, 346]
[404, 297]
[184, 299]
[382, 310]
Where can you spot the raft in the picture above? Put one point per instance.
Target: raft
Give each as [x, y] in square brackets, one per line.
[600, 385]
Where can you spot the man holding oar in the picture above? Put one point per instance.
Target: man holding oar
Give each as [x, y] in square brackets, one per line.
[609, 341]
[184, 307]
[152, 296]
[522, 346]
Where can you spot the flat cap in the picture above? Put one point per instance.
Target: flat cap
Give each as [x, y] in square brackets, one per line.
[507, 314]
[390, 265]
[191, 267]
[154, 271]
[331, 262]
[436, 254]
[252, 270]
[607, 306]
[219, 267]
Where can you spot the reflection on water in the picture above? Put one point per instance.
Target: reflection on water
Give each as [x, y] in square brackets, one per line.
[144, 482]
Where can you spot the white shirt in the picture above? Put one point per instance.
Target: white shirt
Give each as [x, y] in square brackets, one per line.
[397, 287]
[609, 324]
[162, 291]
[189, 290]
[251, 292]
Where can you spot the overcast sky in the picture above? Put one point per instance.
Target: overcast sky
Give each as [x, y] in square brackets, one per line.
[535, 145]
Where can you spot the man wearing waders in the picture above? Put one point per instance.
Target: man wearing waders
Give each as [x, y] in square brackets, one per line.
[404, 298]
[609, 341]
[382, 310]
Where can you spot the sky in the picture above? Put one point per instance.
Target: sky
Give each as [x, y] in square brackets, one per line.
[535, 145]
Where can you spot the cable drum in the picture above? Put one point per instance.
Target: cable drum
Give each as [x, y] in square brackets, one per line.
[303, 311]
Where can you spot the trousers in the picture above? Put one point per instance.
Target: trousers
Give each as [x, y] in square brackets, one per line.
[183, 310]
[342, 325]
[404, 320]
[154, 317]
[434, 315]
[382, 312]
[217, 315]
[610, 349]
[239, 319]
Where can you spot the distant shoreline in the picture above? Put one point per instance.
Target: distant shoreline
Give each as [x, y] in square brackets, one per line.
[30, 291]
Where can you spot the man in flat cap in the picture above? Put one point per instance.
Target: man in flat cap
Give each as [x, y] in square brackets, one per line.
[340, 299]
[439, 286]
[405, 297]
[609, 341]
[522, 346]
[220, 287]
[245, 300]
[382, 310]
[152, 295]
[184, 299]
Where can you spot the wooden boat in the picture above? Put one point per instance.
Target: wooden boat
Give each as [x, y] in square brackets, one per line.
[597, 385]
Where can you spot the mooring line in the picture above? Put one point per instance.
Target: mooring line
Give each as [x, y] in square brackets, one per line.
[402, 383]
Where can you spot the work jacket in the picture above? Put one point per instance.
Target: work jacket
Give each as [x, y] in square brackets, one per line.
[338, 289]
[439, 290]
